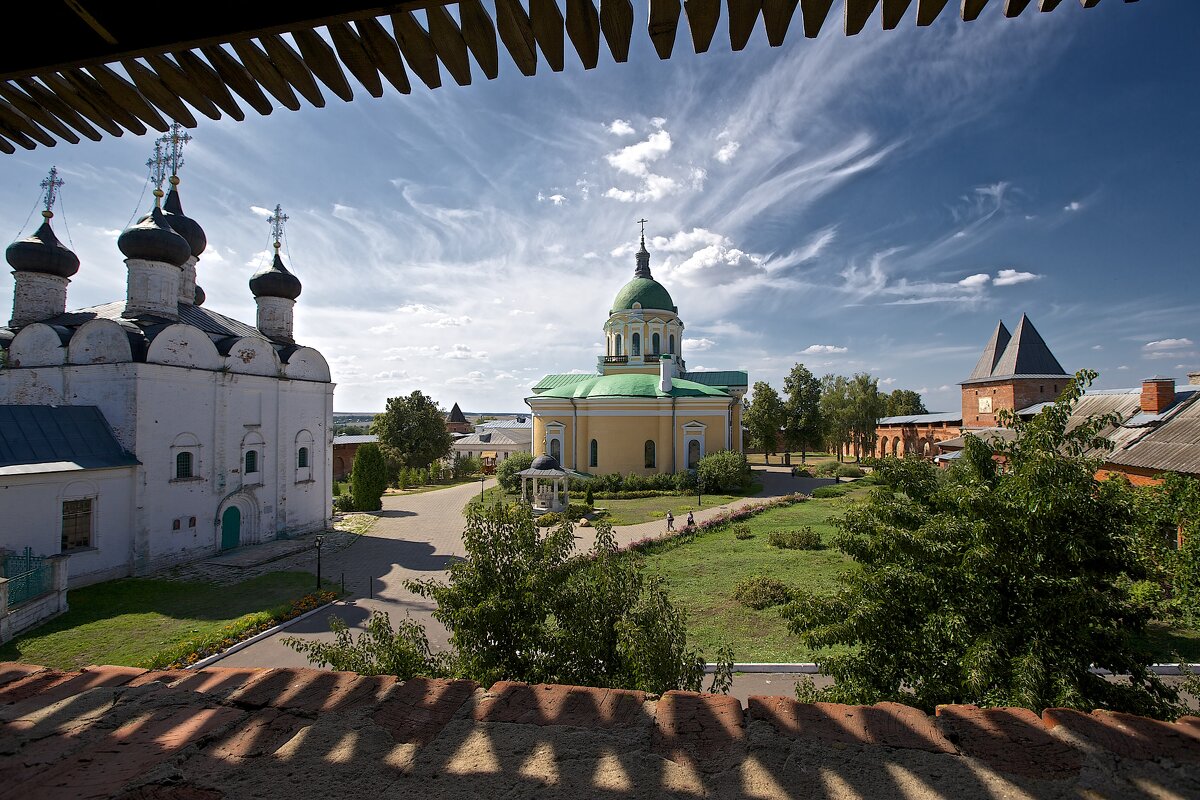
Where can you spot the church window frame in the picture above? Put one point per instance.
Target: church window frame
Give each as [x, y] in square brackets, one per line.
[655, 344]
[555, 449]
[253, 461]
[617, 346]
[78, 524]
[671, 343]
[650, 455]
[594, 454]
[635, 344]
[184, 465]
[185, 458]
[304, 449]
[302, 457]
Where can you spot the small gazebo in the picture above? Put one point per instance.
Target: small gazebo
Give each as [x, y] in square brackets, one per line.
[550, 482]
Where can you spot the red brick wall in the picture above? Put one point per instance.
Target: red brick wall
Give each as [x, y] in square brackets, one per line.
[1157, 395]
[1010, 394]
[343, 460]
[902, 440]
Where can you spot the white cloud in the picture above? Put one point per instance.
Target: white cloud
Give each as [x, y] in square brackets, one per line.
[814, 349]
[698, 345]
[462, 351]
[556, 198]
[977, 281]
[390, 375]
[1074, 205]
[620, 127]
[1097, 347]
[448, 322]
[727, 151]
[635, 159]
[698, 176]
[658, 122]
[1011, 277]
[1167, 344]
[887, 381]
[655, 187]
[265, 213]
[473, 377]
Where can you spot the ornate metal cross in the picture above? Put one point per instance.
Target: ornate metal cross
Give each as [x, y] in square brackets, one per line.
[158, 168]
[643, 222]
[50, 186]
[173, 142]
[277, 219]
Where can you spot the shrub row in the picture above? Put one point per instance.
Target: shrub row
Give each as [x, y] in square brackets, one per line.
[761, 592]
[742, 531]
[803, 539]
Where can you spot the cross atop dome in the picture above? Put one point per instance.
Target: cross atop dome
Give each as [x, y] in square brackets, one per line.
[276, 220]
[50, 185]
[173, 142]
[158, 169]
[643, 255]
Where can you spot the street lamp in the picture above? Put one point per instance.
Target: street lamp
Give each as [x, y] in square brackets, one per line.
[482, 478]
[699, 486]
[320, 539]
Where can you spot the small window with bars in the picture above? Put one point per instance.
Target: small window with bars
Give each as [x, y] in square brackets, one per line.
[251, 461]
[76, 524]
[183, 465]
[302, 458]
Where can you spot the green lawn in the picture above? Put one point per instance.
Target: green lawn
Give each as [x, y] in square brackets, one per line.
[127, 622]
[633, 512]
[702, 573]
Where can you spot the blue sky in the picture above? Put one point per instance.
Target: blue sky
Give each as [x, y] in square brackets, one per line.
[868, 203]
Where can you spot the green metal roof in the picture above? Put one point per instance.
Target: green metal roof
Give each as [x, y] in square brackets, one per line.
[722, 378]
[631, 385]
[647, 291]
[561, 379]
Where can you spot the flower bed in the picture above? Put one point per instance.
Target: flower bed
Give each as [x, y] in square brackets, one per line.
[189, 652]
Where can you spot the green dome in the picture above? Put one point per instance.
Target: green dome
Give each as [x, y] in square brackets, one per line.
[647, 291]
[631, 385]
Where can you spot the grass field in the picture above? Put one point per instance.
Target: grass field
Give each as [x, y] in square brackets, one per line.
[637, 511]
[127, 622]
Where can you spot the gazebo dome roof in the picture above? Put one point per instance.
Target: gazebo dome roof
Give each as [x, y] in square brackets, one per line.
[544, 462]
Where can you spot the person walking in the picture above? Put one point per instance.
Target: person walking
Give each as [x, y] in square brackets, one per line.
[691, 520]
[670, 521]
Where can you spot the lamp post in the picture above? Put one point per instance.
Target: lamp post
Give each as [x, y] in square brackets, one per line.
[482, 478]
[320, 539]
[699, 486]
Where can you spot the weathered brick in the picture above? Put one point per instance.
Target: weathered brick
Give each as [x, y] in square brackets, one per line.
[24, 688]
[1129, 736]
[163, 676]
[261, 734]
[311, 690]
[172, 791]
[12, 671]
[702, 727]
[219, 681]
[73, 684]
[418, 709]
[1011, 740]
[887, 724]
[554, 704]
[104, 767]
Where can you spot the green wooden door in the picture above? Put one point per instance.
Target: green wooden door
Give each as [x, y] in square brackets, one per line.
[231, 528]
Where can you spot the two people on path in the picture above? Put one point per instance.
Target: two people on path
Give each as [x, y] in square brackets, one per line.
[691, 520]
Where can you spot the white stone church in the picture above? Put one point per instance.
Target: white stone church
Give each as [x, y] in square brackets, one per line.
[153, 430]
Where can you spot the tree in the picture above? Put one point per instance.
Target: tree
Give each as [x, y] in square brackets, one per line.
[764, 418]
[724, 471]
[412, 430]
[464, 466]
[903, 403]
[507, 475]
[368, 477]
[867, 405]
[836, 413]
[991, 586]
[802, 410]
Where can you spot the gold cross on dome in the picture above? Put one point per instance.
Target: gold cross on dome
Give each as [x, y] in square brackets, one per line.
[158, 169]
[276, 220]
[50, 186]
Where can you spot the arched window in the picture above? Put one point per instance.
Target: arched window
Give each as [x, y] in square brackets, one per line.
[183, 465]
[636, 349]
[655, 344]
[649, 454]
[556, 450]
[617, 350]
[251, 461]
[693, 453]
[671, 342]
[302, 457]
[594, 454]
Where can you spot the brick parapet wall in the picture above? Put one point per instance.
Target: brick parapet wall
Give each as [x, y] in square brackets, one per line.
[217, 733]
[1013, 395]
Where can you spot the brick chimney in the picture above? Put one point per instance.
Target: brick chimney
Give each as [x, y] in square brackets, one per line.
[1157, 394]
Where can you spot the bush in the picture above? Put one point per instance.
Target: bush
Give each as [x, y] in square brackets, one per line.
[684, 481]
[337, 489]
[831, 491]
[379, 650]
[804, 539]
[849, 471]
[724, 471]
[343, 503]
[549, 519]
[464, 466]
[800, 472]
[575, 511]
[827, 469]
[762, 592]
[506, 473]
[590, 497]
[742, 531]
[368, 477]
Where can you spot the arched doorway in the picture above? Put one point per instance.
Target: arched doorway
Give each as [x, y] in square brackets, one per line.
[231, 528]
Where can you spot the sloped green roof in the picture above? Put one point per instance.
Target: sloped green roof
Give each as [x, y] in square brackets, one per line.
[647, 291]
[630, 385]
[721, 378]
[561, 379]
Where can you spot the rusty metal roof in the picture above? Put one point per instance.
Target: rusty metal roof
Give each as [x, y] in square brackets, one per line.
[76, 69]
[1174, 446]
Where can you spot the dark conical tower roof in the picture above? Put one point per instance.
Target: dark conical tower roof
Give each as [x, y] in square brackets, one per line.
[275, 281]
[642, 270]
[1027, 354]
[185, 226]
[152, 239]
[991, 353]
[42, 252]
[456, 414]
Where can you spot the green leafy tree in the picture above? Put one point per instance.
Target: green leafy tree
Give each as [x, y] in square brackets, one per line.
[764, 417]
[464, 466]
[802, 410]
[991, 586]
[412, 430]
[506, 472]
[867, 405]
[379, 650]
[368, 477]
[836, 413]
[903, 403]
[724, 471]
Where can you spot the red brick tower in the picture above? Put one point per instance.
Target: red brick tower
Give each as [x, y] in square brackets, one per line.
[1014, 372]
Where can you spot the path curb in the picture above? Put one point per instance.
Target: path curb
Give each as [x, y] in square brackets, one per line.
[812, 669]
[258, 637]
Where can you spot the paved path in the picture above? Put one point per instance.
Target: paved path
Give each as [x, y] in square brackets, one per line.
[417, 537]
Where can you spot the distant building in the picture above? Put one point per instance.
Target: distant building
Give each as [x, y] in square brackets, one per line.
[344, 450]
[493, 445]
[456, 421]
[153, 430]
[643, 412]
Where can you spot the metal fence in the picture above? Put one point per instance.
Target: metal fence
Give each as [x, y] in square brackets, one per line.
[29, 576]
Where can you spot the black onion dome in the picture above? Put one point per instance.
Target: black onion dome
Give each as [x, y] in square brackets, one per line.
[185, 226]
[152, 239]
[199, 297]
[42, 252]
[545, 462]
[275, 281]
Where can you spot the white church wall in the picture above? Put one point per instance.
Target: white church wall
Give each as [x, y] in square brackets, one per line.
[36, 345]
[109, 387]
[33, 507]
[253, 356]
[100, 341]
[184, 346]
[307, 364]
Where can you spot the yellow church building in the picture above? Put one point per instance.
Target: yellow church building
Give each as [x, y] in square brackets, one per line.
[642, 411]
